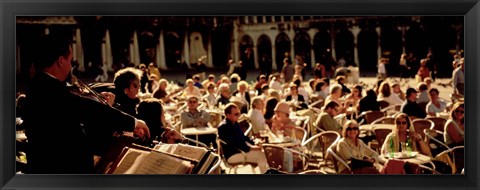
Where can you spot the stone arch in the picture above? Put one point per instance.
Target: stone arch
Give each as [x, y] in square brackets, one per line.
[246, 52]
[344, 46]
[322, 47]
[367, 44]
[173, 50]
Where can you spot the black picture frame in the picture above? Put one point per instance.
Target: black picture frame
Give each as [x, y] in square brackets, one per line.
[470, 9]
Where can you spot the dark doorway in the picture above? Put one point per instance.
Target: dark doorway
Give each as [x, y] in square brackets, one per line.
[264, 52]
[220, 46]
[344, 46]
[303, 48]
[282, 49]
[367, 49]
[173, 50]
[246, 52]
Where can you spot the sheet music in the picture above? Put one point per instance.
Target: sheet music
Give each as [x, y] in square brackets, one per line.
[158, 163]
[192, 152]
[130, 161]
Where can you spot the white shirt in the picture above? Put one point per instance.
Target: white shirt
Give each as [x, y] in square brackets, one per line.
[458, 77]
[275, 85]
[381, 69]
[432, 108]
[392, 99]
[257, 120]
[304, 93]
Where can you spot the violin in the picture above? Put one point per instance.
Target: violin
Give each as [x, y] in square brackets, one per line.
[80, 88]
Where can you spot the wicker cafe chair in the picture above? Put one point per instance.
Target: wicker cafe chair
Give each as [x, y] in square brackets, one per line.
[380, 135]
[371, 116]
[276, 158]
[458, 157]
[215, 169]
[435, 141]
[384, 120]
[383, 104]
[336, 159]
[300, 134]
[313, 172]
[316, 146]
[439, 122]
[420, 124]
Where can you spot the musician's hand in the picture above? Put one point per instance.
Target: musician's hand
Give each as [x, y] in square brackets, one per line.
[109, 97]
[141, 129]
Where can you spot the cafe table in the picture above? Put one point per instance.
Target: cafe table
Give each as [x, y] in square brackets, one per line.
[198, 131]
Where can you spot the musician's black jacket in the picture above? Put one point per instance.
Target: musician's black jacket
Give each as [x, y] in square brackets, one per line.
[59, 127]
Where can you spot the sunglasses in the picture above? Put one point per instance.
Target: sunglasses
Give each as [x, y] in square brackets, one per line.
[459, 111]
[401, 122]
[352, 128]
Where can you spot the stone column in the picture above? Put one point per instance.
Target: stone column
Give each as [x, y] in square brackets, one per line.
[79, 51]
[209, 50]
[160, 55]
[379, 49]
[108, 51]
[355, 30]
[274, 57]
[235, 42]
[186, 50]
[136, 51]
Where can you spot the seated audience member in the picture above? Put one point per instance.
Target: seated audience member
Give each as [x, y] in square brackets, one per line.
[326, 119]
[301, 90]
[127, 86]
[193, 117]
[224, 94]
[210, 79]
[404, 133]
[411, 107]
[435, 105]
[264, 92]
[235, 142]
[296, 100]
[242, 93]
[354, 97]
[270, 105]
[458, 78]
[369, 102]
[210, 97]
[320, 90]
[422, 97]
[335, 94]
[274, 93]
[223, 79]
[350, 147]
[151, 111]
[191, 90]
[326, 90]
[429, 82]
[397, 90]
[255, 114]
[281, 120]
[341, 82]
[423, 71]
[275, 83]
[262, 79]
[161, 92]
[387, 95]
[454, 128]
[196, 80]
[234, 79]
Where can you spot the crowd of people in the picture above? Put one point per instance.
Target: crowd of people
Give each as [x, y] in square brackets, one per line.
[53, 114]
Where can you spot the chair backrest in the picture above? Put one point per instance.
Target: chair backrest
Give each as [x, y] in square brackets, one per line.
[245, 125]
[381, 133]
[384, 120]
[438, 122]
[216, 166]
[383, 104]
[371, 116]
[313, 172]
[341, 119]
[458, 157]
[276, 158]
[420, 124]
[300, 134]
[336, 159]
[325, 139]
[435, 141]
[317, 104]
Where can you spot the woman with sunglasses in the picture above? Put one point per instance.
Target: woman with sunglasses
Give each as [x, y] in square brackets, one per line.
[454, 127]
[403, 133]
[350, 147]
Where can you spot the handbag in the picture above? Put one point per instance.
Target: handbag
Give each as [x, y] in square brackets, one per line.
[357, 164]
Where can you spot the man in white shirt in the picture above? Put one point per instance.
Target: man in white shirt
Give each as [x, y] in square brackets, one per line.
[256, 116]
[458, 78]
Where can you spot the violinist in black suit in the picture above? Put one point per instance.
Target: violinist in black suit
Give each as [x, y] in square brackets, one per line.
[54, 116]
